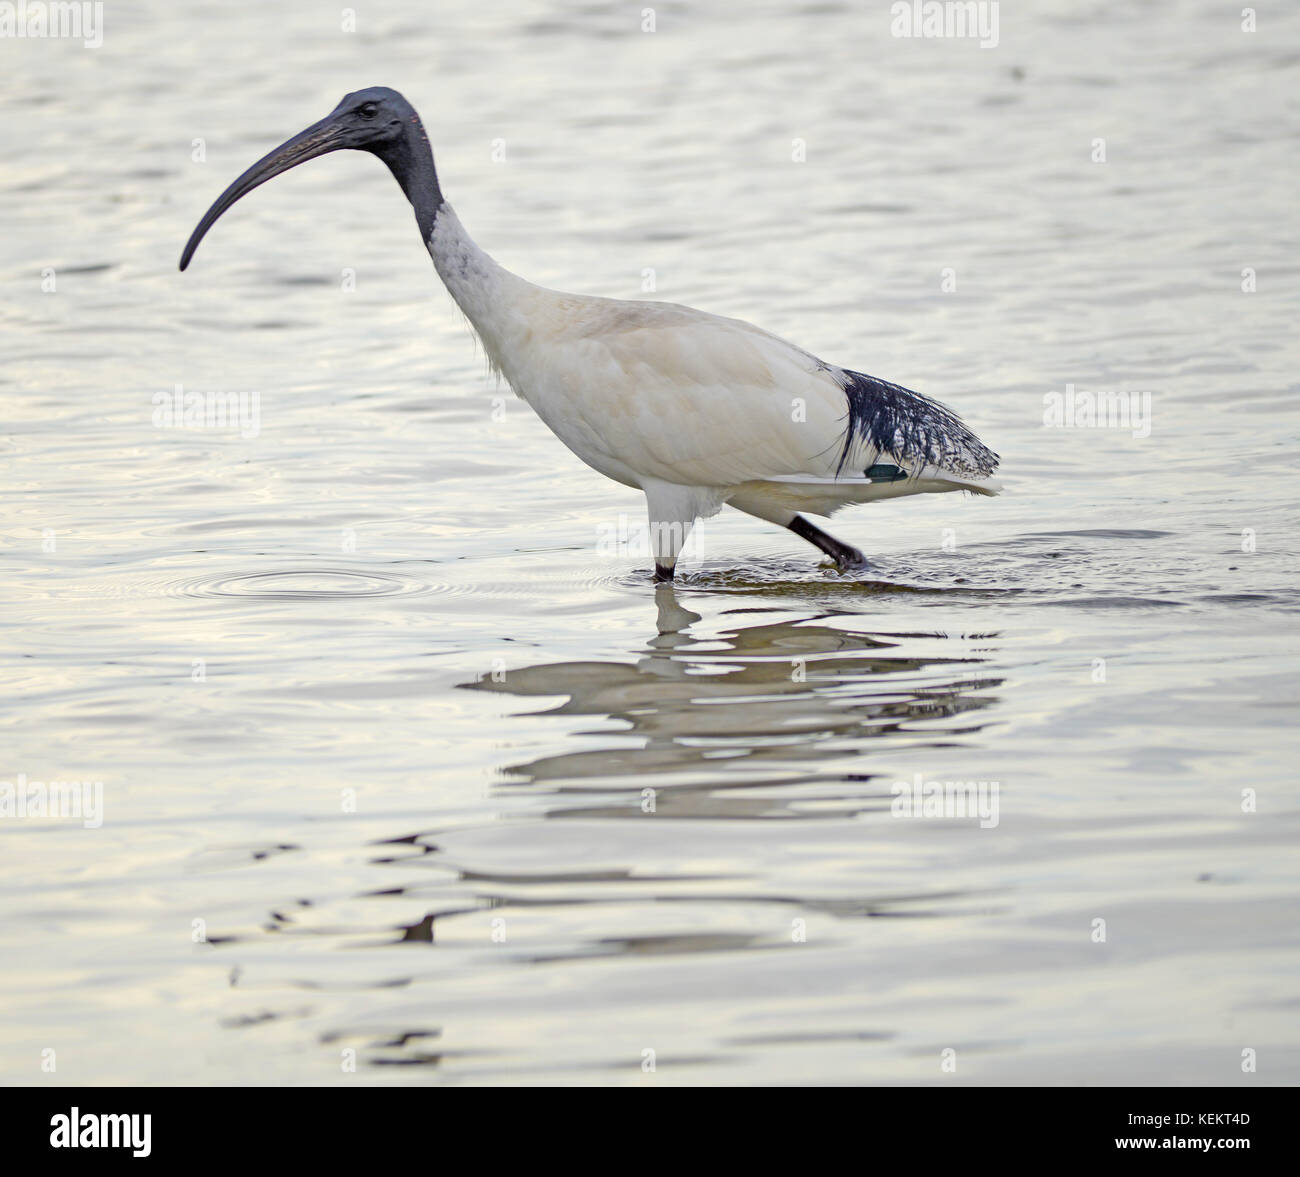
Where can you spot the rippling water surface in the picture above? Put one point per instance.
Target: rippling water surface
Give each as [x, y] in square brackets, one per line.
[409, 778]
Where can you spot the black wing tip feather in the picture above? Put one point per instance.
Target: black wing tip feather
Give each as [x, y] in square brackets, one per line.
[910, 427]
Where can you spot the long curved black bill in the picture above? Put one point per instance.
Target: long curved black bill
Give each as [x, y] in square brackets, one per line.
[318, 139]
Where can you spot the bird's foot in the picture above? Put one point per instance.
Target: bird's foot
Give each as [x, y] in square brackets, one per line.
[849, 559]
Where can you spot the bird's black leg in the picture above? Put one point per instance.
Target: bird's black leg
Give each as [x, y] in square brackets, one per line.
[843, 555]
[664, 573]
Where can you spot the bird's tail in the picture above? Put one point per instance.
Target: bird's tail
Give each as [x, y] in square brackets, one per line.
[889, 422]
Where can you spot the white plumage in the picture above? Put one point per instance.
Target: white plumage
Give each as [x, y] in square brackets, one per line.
[695, 410]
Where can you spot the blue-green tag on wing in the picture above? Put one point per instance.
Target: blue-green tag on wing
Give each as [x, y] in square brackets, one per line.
[884, 472]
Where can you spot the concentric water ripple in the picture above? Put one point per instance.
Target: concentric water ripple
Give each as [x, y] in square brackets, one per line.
[302, 584]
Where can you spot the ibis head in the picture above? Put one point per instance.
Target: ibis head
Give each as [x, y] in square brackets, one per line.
[378, 120]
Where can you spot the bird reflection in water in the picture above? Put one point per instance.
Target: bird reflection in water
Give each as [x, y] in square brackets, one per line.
[774, 709]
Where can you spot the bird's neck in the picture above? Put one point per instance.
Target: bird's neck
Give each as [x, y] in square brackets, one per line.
[410, 159]
[489, 295]
[492, 298]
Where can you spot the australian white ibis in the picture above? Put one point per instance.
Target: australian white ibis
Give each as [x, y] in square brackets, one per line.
[695, 410]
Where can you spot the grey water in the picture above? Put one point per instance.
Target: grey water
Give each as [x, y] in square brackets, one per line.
[406, 772]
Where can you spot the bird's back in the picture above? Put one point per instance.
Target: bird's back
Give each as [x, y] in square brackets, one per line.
[670, 392]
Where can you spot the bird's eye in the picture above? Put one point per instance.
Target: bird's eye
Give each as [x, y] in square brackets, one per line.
[368, 110]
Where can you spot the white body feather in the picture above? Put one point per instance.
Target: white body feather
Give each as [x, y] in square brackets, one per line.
[694, 409]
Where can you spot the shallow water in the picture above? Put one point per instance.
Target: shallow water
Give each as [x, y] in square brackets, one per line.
[408, 778]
